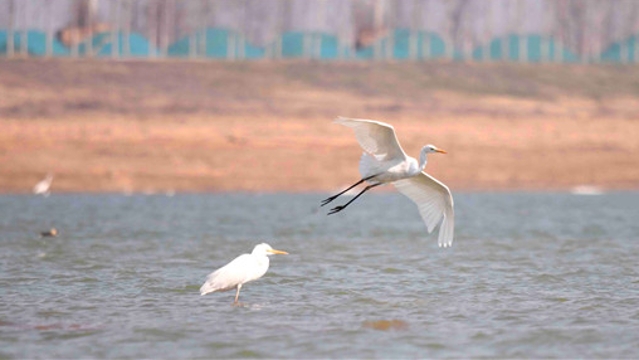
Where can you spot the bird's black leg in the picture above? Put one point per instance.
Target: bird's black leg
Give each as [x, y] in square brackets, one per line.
[342, 207]
[328, 200]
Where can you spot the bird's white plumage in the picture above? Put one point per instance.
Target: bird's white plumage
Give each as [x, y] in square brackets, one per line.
[244, 268]
[241, 270]
[42, 187]
[386, 162]
[375, 137]
[434, 201]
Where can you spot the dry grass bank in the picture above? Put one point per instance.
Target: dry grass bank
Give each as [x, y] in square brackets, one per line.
[259, 126]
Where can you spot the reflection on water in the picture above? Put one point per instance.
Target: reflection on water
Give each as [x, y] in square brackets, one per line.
[529, 275]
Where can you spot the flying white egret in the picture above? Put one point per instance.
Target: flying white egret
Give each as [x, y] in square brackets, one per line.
[43, 186]
[244, 268]
[384, 162]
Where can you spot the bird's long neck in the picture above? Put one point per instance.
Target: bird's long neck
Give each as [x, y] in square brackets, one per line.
[423, 158]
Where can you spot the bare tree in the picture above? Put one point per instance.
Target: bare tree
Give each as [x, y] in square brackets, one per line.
[608, 23]
[115, 34]
[587, 27]
[10, 43]
[458, 11]
[573, 24]
[630, 23]
[127, 13]
[415, 27]
[577, 24]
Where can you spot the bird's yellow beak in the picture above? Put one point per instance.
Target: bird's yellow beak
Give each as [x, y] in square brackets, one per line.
[279, 252]
[441, 151]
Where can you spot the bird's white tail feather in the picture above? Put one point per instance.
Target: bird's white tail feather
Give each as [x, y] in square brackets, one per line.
[207, 288]
[212, 284]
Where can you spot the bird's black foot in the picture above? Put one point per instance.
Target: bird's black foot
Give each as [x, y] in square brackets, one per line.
[337, 209]
[328, 200]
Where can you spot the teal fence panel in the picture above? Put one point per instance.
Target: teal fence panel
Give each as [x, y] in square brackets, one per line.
[316, 45]
[538, 49]
[429, 46]
[36, 44]
[218, 42]
[103, 45]
[622, 51]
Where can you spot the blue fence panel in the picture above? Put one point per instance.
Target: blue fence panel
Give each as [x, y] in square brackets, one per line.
[102, 45]
[429, 46]
[509, 48]
[217, 45]
[622, 51]
[36, 43]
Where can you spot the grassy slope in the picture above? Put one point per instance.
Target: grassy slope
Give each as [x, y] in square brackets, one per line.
[114, 126]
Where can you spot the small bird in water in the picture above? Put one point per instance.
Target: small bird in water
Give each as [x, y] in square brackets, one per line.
[244, 268]
[53, 232]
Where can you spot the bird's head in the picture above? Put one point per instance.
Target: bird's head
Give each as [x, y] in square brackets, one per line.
[433, 149]
[266, 250]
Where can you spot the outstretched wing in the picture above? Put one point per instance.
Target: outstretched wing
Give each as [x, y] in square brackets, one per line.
[375, 137]
[434, 201]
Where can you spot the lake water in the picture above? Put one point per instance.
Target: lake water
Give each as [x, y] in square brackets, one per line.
[529, 275]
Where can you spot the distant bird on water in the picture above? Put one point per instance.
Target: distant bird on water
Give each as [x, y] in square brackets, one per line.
[42, 187]
[384, 161]
[244, 268]
[53, 232]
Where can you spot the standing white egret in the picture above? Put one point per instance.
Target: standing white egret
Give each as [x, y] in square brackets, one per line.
[384, 162]
[244, 268]
[43, 186]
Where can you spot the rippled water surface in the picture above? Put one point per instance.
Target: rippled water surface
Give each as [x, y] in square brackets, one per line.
[529, 275]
